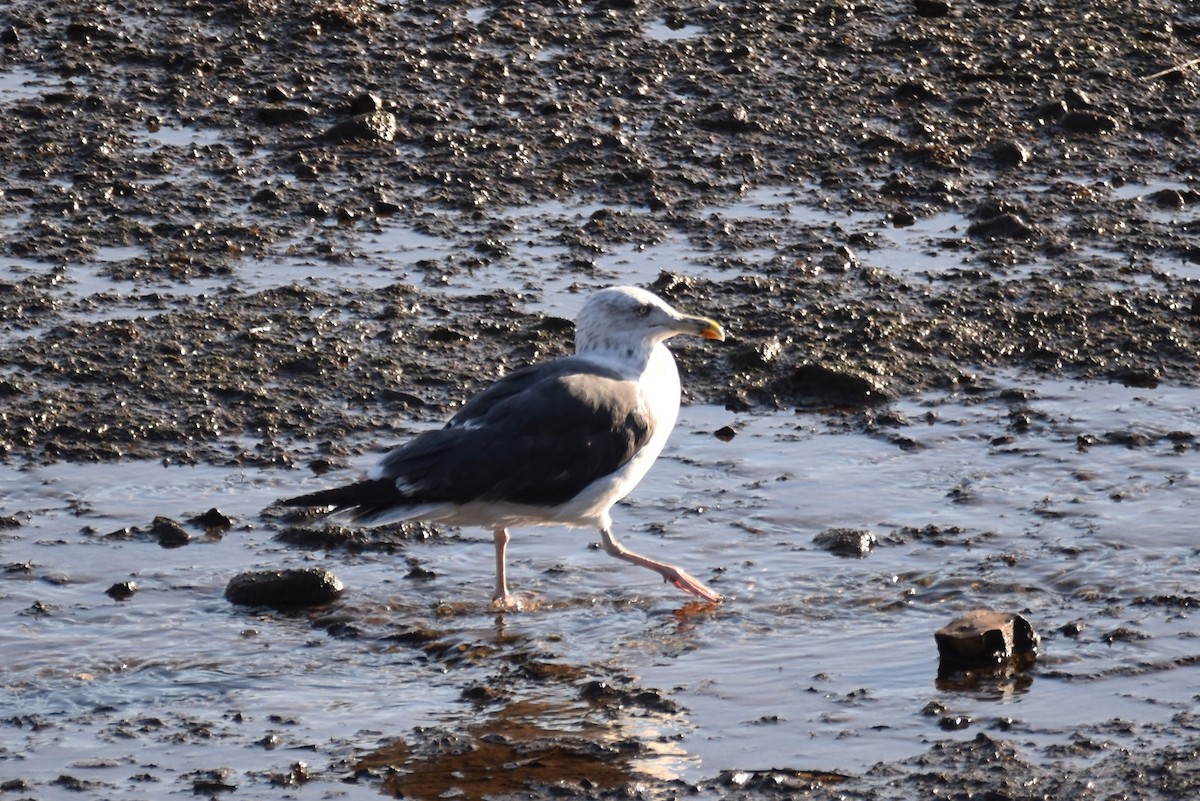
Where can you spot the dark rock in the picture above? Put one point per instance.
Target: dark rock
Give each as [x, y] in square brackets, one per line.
[1124, 634]
[366, 103]
[482, 694]
[417, 572]
[122, 591]
[284, 589]
[846, 541]
[931, 8]
[211, 782]
[1051, 111]
[1171, 199]
[954, 722]
[986, 638]
[1005, 225]
[169, 533]
[214, 521]
[73, 783]
[1073, 629]
[1007, 153]
[297, 775]
[374, 126]
[727, 119]
[1137, 378]
[725, 433]
[39, 609]
[282, 115]
[814, 384]
[1180, 601]
[1087, 123]
[915, 91]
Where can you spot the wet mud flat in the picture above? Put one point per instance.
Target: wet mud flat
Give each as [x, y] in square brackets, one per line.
[280, 220]
[260, 235]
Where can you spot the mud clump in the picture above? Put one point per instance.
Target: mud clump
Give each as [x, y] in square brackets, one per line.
[846, 541]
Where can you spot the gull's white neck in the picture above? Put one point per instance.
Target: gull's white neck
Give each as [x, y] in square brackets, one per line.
[631, 355]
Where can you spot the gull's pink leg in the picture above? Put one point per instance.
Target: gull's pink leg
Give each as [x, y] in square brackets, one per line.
[669, 572]
[501, 597]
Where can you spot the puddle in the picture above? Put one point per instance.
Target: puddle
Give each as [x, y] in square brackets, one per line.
[664, 31]
[1135, 191]
[816, 662]
[156, 136]
[20, 83]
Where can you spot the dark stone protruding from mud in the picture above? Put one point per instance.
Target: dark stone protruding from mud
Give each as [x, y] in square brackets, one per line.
[846, 541]
[727, 119]
[280, 115]
[169, 533]
[931, 8]
[817, 385]
[1005, 225]
[214, 521]
[122, 590]
[284, 589]
[374, 126]
[1087, 123]
[987, 638]
[211, 782]
[1007, 153]
[296, 775]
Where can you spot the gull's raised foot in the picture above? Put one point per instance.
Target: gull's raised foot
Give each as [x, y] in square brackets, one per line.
[688, 583]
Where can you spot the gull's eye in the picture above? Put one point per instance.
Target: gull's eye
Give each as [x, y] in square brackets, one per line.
[644, 310]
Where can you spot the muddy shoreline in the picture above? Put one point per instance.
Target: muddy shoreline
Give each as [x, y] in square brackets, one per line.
[1053, 270]
[156, 156]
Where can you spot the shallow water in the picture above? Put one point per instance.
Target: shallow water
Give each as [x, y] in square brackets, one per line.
[815, 660]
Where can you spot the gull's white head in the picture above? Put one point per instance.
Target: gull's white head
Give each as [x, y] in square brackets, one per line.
[628, 320]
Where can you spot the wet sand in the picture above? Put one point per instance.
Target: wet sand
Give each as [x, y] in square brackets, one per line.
[244, 246]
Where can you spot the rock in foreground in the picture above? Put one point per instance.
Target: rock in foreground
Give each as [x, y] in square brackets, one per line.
[986, 638]
[284, 589]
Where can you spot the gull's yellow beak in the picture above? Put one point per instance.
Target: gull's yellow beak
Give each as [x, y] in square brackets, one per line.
[711, 329]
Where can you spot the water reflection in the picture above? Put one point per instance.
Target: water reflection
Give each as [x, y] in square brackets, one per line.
[524, 743]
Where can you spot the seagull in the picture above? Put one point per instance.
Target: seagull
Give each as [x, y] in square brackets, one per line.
[554, 443]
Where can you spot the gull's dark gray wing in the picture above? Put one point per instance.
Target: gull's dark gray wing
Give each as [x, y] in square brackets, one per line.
[538, 436]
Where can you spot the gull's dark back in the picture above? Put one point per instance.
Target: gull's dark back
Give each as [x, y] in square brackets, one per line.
[539, 436]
